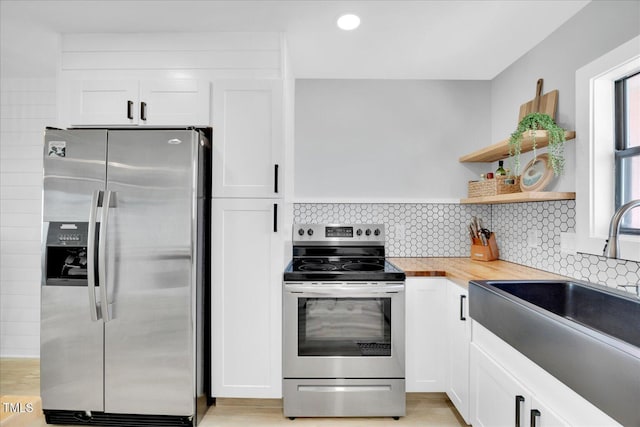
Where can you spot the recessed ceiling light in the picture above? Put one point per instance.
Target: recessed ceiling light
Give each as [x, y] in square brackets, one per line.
[348, 22]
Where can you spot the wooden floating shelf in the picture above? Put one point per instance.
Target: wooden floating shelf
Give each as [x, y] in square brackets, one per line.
[500, 150]
[525, 196]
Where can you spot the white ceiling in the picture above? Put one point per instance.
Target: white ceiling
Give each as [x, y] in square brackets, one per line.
[472, 39]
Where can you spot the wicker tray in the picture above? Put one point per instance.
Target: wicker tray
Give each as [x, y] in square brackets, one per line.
[495, 186]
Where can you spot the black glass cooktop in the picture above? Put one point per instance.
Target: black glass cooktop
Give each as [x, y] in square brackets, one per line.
[339, 269]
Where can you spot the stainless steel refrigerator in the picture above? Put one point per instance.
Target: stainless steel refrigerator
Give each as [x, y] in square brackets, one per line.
[124, 315]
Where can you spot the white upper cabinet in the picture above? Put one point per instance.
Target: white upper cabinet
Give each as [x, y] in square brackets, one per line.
[248, 138]
[102, 102]
[178, 102]
[174, 102]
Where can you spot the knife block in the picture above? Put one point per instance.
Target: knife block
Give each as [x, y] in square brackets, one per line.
[480, 252]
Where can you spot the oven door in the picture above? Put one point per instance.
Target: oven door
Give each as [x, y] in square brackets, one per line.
[343, 330]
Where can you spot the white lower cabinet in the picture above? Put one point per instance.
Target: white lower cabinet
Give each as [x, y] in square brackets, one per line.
[490, 383]
[246, 271]
[541, 415]
[500, 400]
[508, 389]
[425, 334]
[458, 338]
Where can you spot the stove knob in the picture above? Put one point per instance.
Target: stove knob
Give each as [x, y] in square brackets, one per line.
[301, 232]
[377, 232]
[310, 232]
[368, 232]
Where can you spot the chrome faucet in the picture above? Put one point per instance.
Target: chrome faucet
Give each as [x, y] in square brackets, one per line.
[611, 246]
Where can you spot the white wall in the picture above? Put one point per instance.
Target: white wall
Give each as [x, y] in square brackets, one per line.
[387, 139]
[171, 55]
[596, 29]
[28, 105]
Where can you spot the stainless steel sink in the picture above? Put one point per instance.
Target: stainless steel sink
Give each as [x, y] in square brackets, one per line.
[586, 335]
[592, 307]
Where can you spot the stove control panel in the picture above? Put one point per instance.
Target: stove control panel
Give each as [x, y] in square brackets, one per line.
[339, 233]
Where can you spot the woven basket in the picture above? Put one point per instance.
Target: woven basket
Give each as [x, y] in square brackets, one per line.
[495, 186]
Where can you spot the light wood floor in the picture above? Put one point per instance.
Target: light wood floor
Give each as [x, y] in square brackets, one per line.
[21, 377]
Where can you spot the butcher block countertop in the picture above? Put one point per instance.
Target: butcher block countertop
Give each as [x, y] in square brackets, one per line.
[461, 270]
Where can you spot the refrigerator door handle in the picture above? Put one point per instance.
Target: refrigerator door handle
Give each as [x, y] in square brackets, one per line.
[91, 253]
[102, 257]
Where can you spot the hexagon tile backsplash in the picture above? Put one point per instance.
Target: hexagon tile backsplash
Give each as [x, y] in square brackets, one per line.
[512, 222]
[440, 230]
[413, 229]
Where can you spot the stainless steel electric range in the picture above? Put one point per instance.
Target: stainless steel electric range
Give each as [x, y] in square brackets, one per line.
[343, 324]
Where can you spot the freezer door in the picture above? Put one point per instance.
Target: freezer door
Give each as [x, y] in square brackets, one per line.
[74, 167]
[71, 351]
[149, 338]
[71, 343]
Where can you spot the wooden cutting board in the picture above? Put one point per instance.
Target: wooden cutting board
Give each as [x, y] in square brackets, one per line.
[547, 103]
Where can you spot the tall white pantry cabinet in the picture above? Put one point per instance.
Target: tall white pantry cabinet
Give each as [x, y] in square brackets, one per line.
[240, 85]
[248, 238]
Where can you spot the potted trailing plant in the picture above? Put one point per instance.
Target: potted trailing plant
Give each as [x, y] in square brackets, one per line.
[555, 150]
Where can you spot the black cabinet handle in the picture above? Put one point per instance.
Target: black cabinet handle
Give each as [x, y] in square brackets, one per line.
[462, 297]
[143, 111]
[275, 217]
[130, 110]
[275, 178]
[534, 415]
[519, 400]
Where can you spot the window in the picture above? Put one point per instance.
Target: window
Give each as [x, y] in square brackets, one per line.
[627, 149]
[607, 169]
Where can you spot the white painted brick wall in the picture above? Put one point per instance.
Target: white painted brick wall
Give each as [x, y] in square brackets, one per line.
[27, 107]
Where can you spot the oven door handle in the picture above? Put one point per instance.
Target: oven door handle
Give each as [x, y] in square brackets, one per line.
[346, 291]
